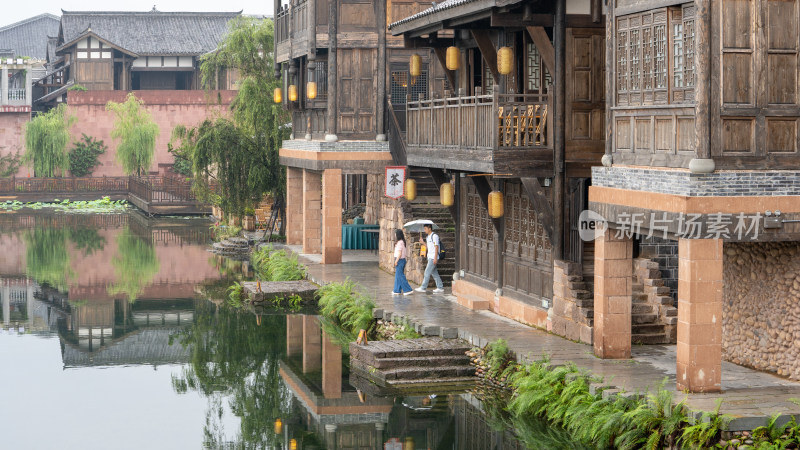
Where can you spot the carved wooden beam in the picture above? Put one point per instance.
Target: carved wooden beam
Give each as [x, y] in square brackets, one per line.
[540, 204]
[440, 55]
[545, 47]
[488, 51]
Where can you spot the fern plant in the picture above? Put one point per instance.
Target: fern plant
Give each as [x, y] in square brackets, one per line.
[705, 430]
[345, 306]
[236, 295]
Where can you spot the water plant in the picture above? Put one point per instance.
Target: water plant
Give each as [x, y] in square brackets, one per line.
[345, 306]
[102, 206]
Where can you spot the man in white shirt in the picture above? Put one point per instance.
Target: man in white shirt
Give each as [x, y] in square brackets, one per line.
[433, 244]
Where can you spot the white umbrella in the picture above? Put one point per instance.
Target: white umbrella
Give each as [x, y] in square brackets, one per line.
[415, 226]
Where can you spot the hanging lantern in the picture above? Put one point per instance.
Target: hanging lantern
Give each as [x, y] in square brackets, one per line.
[411, 190]
[278, 95]
[292, 93]
[293, 444]
[495, 204]
[446, 194]
[505, 60]
[453, 58]
[311, 90]
[278, 426]
[415, 65]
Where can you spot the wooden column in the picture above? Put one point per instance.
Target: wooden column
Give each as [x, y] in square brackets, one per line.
[613, 278]
[559, 41]
[699, 362]
[703, 163]
[333, 107]
[277, 65]
[380, 119]
[611, 85]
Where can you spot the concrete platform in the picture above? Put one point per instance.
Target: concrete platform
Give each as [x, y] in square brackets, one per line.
[748, 395]
[272, 289]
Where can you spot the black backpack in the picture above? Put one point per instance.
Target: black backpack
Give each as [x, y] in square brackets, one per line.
[442, 253]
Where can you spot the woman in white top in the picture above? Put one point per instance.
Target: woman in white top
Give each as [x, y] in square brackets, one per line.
[401, 285]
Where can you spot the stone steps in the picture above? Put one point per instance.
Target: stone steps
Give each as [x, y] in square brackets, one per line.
[411, 374]
[439, 360]
[650, 338]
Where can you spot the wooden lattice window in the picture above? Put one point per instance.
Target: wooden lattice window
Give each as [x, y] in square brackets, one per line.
[536, 74]
[655, 56]
[525, 235]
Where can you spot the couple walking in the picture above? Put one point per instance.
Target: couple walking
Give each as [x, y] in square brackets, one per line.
[401, 254]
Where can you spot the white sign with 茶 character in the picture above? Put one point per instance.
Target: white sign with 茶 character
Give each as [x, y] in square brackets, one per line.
[395, 181]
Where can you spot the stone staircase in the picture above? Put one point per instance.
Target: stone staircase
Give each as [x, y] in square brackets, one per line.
[654, 318]
[410, 363]
[430, 208]
[234, 246]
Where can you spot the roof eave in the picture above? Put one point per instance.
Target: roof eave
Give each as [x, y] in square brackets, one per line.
[437, 19]
[66, 45]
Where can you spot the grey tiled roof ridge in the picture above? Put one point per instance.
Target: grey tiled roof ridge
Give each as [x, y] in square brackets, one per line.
[28, 20]
[442, 6]
[151, 12]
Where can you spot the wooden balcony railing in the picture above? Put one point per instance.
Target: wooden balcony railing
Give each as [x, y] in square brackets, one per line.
[282, 25]
[488, 122]
[292, 21]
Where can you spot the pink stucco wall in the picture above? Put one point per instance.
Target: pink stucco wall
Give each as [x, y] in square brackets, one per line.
[168, 109]
[12, 135]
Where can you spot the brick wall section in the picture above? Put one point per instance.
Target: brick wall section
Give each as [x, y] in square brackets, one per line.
[332, 216]
[699, 365]
[312, 344]
[372, 211]
[612, 295]
[338, 146]
[573, 304]
[294, 206]
[722, 183]
[476, 297]
[665, 253]
[331, 368]
[312, 212]
[760, 312]
[294, 334]
[12, 136]
[167, 108]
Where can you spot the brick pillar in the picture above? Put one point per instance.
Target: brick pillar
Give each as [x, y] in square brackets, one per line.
[699, 365]
[332, 216]
[294, 206]
[294, 335]
[312, 344]
[613, 270]
[312, 211]
[331, 368]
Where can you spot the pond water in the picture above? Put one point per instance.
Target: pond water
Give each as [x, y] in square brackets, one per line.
[114, 334]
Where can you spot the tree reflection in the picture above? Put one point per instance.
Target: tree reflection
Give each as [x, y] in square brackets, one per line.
[47, 258]
[135, 265]
[232, 356]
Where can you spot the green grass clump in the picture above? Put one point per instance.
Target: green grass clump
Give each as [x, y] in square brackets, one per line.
[343, 305]
[277, 265]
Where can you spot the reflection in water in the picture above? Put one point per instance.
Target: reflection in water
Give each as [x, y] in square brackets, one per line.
[126, 293]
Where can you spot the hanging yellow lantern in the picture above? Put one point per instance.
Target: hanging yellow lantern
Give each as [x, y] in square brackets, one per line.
[311, 89]
[278, 426]
[293, 444]
[292, 93]
[453, 58]
[505, 60]
[446, 194]
[278, 95]
[495, 204]
[411, 190]
[415, 65]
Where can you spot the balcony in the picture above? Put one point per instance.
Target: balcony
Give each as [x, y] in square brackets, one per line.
[15, 86]
[293, 25]
[503, 134]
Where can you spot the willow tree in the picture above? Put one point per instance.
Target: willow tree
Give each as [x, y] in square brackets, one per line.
[46, 139]
[258, 121]
[135, 265]
[136, 132]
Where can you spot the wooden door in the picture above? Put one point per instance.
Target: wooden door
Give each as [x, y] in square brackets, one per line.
[586, 108]
[357, 87]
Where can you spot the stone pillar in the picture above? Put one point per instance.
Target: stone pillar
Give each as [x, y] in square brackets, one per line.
[312, 344]
[699, 365]
[613, 270]
[294, 335]
[332, 216]
[312, 208]
[331, 368]
[294, 206]
[28, 86]
[4, 86]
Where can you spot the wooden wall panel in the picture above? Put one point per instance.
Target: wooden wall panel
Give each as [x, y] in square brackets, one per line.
[623, 134]
[737, 15]
[737, 136]
[644, 139]
[355, 15]
[782, 79]
[782, 24]
[737, 79]
[585, 114]
[357, 87]
[685, 134]
[664, 136]
[781, 136]
[95, 75]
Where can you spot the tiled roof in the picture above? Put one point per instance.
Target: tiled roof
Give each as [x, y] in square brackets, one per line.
[441, 6]
[152, 32]
[29, 37]
[148, 346]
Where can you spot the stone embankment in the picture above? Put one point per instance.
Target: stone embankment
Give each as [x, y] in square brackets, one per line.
[761, 312]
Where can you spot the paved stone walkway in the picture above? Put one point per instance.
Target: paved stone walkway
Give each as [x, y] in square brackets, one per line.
[749, 395]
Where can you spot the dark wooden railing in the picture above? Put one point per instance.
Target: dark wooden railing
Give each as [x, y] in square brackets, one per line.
[300, 123]
[397, 144]
[282, 25]
[299, 14]
[162, 189]
[489, 122]
[105, 185]
[292, 21]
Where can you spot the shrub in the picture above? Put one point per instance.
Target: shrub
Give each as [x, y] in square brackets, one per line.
[83, 155]
[343, 305]
[277, 265]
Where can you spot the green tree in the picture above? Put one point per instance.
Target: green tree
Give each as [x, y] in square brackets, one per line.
[135, 265]
[136, 132]
[47, 257]
[83, 155]
[46, 139]
[257, 122]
